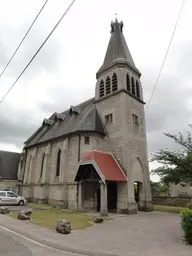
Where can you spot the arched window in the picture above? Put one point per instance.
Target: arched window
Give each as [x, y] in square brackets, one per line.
[101, 89]
[133, 85]
[128, 83]
[108, 85]
[42, 165]
[114, 82]
[137, 89]
[28, 171]
[58, 166]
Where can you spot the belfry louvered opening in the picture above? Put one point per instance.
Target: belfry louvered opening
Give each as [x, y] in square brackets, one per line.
[114, 82]
[108, 85]
[133, 85]
[101, 91]
[137, 90]
[128, 83]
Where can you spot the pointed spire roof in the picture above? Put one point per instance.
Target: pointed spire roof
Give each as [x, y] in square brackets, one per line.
[117, 50]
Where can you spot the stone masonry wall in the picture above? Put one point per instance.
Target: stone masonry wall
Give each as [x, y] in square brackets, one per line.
[126, 140]
[172, 201]
[49, 188]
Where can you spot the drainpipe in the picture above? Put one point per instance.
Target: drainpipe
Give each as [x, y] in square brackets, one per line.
[78, 158]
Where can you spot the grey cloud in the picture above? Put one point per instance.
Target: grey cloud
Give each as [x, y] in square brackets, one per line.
[3, 56]
[16, 128]
[167, 111]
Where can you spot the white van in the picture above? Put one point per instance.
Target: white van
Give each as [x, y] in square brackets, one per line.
[10, 198]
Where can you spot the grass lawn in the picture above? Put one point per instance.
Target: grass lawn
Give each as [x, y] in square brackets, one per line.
[172, 209]
[47, 216]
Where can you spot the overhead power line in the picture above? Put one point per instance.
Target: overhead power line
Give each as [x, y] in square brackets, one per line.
[23, 38]
[160, 71]
[44, 42]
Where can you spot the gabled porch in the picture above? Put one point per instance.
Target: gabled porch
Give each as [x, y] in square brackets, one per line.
[97, 177]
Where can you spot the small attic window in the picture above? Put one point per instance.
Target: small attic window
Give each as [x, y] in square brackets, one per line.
[101, 89]
[74, 110]
[108, 85]
[58, 116]
[47, 121]
[114, 82]
[87, 140]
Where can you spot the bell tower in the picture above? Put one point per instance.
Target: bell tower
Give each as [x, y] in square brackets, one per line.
[119, 102]
[118, 71]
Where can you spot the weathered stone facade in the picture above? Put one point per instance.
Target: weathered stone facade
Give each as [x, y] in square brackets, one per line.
[117, 115]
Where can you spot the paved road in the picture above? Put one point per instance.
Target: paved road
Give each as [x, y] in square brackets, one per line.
[12, 245]
[145, 234]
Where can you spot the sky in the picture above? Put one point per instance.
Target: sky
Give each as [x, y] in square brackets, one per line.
[64, 72]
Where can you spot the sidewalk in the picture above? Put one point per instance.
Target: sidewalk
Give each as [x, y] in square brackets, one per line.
[146, 234]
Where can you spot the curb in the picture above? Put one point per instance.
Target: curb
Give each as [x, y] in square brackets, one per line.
[56, 246]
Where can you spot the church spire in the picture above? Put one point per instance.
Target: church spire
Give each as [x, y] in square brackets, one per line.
[117, 50]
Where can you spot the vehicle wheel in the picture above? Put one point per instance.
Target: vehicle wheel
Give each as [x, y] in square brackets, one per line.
[21, 203]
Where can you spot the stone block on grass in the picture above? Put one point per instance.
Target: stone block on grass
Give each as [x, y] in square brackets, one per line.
[63, 226]
[23, 216]
[4, 210]
[98, 220]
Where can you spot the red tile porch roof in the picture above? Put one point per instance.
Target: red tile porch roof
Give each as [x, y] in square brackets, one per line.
[107, 165]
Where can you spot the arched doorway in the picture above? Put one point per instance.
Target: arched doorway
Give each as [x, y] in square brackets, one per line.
[138, 179]
[139, 195]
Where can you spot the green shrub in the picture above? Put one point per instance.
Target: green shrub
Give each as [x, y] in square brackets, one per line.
[186, 225]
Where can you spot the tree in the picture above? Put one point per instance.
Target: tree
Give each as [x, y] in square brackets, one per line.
[176, 164]
[159, 189]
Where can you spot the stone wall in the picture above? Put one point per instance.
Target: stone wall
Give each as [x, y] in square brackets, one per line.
[171, 201]
[127, 141]
[50, 188]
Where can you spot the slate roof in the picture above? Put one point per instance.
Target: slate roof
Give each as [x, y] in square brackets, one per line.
[117, 50]
[9, 162]
[80, 118]
[106, 166]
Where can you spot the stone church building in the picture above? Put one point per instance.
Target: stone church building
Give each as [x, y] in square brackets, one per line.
[93, 156]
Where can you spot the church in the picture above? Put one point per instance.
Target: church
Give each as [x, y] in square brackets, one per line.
[93, 156]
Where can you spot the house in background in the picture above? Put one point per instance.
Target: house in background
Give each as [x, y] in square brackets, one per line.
[9, 163]
[180, 190]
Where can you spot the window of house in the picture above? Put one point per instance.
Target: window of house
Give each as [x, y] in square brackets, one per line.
[101, 89]
[128, 83]
[86, 138]
[58, 166]
[137, 90]
[42, 165]
[133, 85]
[109, 119]
[135, 119]
[114, 82]
[108, 85]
